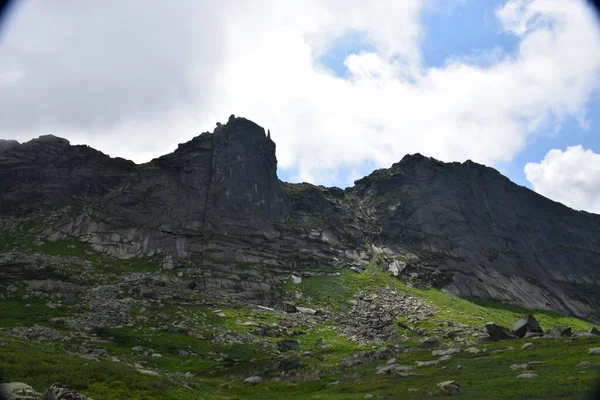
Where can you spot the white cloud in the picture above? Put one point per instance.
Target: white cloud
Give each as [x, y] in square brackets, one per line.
[153, 75]
[571, 177]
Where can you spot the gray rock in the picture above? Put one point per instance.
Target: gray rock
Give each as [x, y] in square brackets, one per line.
[59, 391]
[473, 350]
[288, 344]
[594, 351]
[527, 375]
[18, 391]
[388, 368]
[560, 331]
[426, 363]
[521, 366]
[253, 380]
[444, 358]
[450, 387]
[528, 346]
[496, 332]
[289, 307]
[450, 351]
[594, 331]
[306, 310]
[526, 324]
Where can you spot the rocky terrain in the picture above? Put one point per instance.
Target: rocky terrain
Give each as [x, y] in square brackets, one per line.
[200, 275]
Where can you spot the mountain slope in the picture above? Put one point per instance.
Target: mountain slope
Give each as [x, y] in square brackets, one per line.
[215, 209]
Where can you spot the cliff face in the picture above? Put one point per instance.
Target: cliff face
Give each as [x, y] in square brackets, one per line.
[215, 208]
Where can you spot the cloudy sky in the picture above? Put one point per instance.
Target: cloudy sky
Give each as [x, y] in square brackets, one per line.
[345, 87]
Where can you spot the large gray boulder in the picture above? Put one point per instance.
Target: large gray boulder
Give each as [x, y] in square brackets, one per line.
[496, 332]
[559, 331]
[18, 391]
[594, 331]
[526, 324]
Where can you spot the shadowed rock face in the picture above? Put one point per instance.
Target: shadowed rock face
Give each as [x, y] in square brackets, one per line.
[215, 206]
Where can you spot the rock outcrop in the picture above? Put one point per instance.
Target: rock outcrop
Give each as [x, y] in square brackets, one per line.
[215, 208]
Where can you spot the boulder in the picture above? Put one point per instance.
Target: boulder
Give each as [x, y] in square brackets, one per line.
[59, 391]
[253, 380]
[289, 307]
[594, 351]
[306, 310]
[527, 375]
[526, 324]
[426, 363]
[18, 391]
[594, 331]
[444, 358]
[521, 366]
[473, 350]
[528, 346]
[447, 352]
[288, 344]
[559, 331]
[449, 387]
[496, 332]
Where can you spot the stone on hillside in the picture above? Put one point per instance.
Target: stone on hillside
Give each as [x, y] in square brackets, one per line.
[288, 344]
[445, 358]
[496, 332]
[560, 331]
[18, 391]
[521, 366]
[306, 310]
[426, 363]
[527, 375]
[450, 351]
[526, 324]
[594, 331]
[484, 340]
[296, 279]
[449, 387]
[528, 346]
[334, 383]
[137, 349]
[59, 391]
[386, 369]
[396, 267]
[585, 364]
[473, 350]
[289, 307]
[594, 351]
[156, 356]
[253, 380]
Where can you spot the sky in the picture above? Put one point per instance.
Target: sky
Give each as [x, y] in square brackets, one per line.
[345, 86]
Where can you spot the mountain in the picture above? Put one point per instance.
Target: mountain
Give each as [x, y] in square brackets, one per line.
[215, 209]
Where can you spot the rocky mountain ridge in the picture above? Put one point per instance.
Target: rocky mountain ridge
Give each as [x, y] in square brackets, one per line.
[215, 210]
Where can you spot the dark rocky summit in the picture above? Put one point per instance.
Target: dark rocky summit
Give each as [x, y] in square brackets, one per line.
[214, 208]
